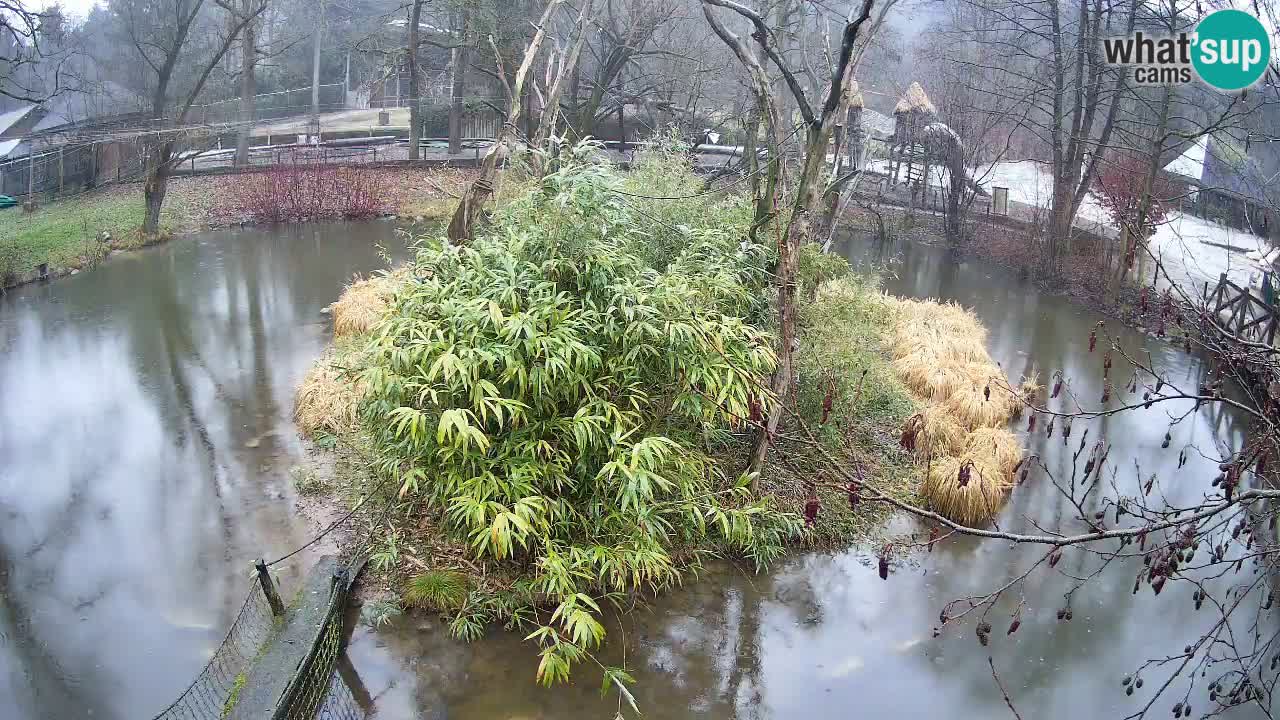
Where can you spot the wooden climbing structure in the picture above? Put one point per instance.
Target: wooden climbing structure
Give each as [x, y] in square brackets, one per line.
[908, 153]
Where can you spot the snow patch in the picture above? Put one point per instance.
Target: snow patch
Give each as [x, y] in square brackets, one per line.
[1190, 164]
[1193, 250]
[9, 119]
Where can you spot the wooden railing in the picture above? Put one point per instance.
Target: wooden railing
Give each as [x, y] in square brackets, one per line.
[1242, 313]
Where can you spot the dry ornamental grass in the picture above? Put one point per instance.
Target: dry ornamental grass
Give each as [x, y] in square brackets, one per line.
[364, 303]
[328, 399]
[940, 354]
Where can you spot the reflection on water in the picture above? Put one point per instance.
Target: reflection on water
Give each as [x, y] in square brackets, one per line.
[144, 447]
[822, 636]
[145, 442]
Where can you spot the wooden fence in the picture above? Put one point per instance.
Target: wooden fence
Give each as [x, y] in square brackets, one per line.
[1242, 313]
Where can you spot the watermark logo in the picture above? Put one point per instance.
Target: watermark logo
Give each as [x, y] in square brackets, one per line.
[1229, 50]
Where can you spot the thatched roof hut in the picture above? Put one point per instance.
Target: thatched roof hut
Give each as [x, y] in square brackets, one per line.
[914, 100]
[854, 94]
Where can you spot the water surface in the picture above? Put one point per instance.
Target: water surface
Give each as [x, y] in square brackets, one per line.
[145, 448]
[820, 635]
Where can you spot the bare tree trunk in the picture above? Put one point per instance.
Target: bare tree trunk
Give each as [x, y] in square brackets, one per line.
[953, 212]
[415, 102]
[750, 160]
[459, 79]
[156, 187]
[248, 85]
[1133, 239]
[547, 123]
[315, 70]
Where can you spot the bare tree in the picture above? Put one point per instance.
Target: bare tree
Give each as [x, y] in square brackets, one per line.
[979, 124]
[34, 64]
[481, 191]
[1050, 59]
[817, 125]
[161, 33]
[565, 62]
[625, 32]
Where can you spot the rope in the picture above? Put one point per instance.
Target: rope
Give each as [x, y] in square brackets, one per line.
[334, 525]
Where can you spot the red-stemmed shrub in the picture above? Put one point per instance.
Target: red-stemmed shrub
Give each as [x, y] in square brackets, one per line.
[292, 193]
[1119, 190]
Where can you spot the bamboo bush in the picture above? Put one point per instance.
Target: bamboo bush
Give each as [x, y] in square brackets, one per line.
[546, 393]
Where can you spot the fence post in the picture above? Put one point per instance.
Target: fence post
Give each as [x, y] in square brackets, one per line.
[269, 588]
[60, 170]
[31, 174]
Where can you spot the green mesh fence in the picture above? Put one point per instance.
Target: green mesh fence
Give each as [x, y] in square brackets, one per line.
[209, 694]
[314, 691]
[340, 704]
[308, 689]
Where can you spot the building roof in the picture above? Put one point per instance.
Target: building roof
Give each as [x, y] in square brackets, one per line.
[1190, 164]
[108, 99]
[914, 100]
[877, 124]
[11, 118]
[7, 146]
[1232, 170]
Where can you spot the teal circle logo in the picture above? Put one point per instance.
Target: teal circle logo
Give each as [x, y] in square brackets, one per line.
[1232, 49]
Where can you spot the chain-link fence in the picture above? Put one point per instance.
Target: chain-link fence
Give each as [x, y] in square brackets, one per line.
[215, 688]
[340, 703]
[314, 689]
[272, 106]
[307, 690]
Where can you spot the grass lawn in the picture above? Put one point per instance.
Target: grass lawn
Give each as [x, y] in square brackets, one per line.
[64, 233]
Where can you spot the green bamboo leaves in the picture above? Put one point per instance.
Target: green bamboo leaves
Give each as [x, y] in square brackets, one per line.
[550, 390]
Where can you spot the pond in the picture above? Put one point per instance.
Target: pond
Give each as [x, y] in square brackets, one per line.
[145, 448]
[820, 635]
